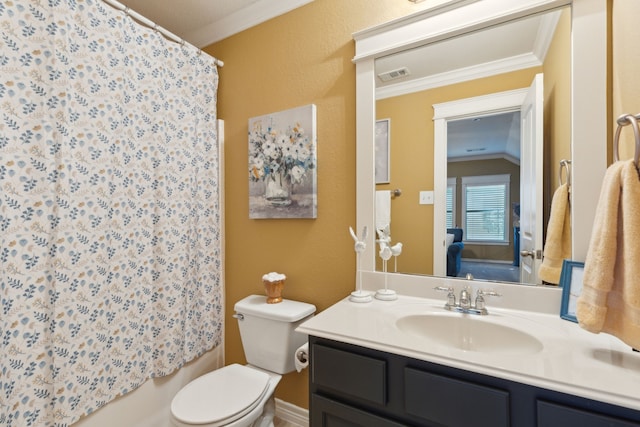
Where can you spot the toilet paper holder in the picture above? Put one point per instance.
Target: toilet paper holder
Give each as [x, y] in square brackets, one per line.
[302, 357]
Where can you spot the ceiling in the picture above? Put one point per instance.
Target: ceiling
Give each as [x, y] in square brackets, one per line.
[488, 137]
[499, 49]
[502, 48]
[202, 22]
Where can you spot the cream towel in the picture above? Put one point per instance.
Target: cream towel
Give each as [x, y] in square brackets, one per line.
[610, 298]
[558, 245]
[383, 210]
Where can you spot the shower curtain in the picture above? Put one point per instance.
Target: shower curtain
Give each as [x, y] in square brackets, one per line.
[110, 223]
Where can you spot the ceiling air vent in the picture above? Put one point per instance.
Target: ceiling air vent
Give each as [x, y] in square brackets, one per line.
[394, 74]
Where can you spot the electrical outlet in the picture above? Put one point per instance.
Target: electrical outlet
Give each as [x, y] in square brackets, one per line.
[426, 197]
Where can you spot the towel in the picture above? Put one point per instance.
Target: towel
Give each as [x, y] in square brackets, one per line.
[610, 297]
[558, 245]
[383, 210]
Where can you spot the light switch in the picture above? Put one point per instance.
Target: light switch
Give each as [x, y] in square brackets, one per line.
[426, 197]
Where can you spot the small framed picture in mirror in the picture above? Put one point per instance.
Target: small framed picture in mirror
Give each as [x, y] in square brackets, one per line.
[383, 151]
[571, 283]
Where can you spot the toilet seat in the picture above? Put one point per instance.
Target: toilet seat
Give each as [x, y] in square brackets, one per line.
[221, 396]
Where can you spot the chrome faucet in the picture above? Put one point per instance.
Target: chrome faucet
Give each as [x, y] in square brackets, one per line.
[465, 298]
[464, 305]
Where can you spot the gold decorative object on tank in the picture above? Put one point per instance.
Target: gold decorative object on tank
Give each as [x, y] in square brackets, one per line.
[273, 285]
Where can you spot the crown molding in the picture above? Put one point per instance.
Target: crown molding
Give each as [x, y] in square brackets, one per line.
[259, 12]
[502, 66]
[504, 156]
[546, 33]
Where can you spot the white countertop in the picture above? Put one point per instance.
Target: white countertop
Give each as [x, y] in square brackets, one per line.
[573, 361]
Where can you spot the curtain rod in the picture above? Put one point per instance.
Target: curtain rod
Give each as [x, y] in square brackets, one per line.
[148, 23]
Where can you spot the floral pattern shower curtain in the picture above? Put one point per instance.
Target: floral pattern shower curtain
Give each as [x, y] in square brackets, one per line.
[110, 233]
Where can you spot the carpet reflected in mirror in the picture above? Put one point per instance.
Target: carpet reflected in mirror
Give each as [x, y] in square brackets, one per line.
[498, 271]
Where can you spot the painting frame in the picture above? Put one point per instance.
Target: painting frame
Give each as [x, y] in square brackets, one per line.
[571, 281]
[382, 151]
[283, 164]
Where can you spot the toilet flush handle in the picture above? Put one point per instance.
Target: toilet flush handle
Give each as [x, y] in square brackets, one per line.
[239, 316]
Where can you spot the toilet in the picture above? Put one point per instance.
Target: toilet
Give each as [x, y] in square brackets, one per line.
[242, 395]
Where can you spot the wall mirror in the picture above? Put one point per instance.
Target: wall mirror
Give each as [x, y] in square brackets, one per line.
[461, 50]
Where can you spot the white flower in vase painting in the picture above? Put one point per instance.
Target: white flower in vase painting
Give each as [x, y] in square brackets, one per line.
[282, 164]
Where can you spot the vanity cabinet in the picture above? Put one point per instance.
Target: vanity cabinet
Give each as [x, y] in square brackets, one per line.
[357, 386]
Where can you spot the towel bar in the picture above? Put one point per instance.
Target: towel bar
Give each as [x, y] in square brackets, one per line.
[566, 166]
[623, 120]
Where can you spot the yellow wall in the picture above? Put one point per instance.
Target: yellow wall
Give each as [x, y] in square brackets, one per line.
[557, 109]
[626, 63]
[412, 160]
[487, 167]
[411, 170]
[299, 58]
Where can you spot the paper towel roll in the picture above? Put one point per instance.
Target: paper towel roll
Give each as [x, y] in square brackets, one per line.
[302, 357]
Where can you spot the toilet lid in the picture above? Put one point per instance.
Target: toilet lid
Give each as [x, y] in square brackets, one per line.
[224, 394]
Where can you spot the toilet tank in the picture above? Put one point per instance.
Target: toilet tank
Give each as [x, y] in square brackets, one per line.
[268, 331]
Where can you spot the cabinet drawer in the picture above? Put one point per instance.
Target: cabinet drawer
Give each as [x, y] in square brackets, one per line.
[330, 413]
[452, 402]
[555, 415]
[349, 374]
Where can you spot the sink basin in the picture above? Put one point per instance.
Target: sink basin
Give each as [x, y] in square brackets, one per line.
[469, 333]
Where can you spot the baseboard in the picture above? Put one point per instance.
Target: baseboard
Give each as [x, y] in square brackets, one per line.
[292, 414]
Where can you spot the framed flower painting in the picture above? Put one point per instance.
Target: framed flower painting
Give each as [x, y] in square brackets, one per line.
[282, 164]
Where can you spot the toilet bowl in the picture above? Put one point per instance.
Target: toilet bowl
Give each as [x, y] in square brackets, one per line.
[242, 395]
[233, 396]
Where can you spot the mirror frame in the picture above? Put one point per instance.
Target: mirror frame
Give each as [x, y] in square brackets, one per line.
[450, 18]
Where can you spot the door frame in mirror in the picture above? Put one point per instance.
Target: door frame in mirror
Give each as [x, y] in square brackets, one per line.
[501, 102]
[589, 118]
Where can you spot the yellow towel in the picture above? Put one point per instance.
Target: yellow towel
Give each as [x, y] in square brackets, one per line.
[558, 245]
[610, 298]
